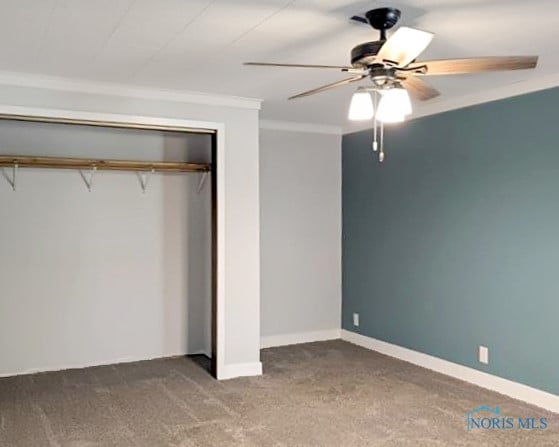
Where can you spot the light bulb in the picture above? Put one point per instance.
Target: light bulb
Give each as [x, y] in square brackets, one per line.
[394, 105]
[361, 107]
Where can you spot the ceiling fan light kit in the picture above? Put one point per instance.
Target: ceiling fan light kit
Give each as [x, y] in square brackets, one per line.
[361, 107]
[390, 64]
[394, 106]
[386, 105]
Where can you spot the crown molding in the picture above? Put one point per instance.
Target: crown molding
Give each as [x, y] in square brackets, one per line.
[472, 99]
[16, 79]
[300, 127]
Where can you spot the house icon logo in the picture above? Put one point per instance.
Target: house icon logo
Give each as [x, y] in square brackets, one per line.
[472, 419]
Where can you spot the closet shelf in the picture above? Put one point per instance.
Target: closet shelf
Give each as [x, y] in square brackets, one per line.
[101, 165]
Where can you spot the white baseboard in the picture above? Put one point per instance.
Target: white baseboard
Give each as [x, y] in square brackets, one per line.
[93, 363]
[507, 387]
[226, 372]
[239, 370]
[271, 341]
[200, 352]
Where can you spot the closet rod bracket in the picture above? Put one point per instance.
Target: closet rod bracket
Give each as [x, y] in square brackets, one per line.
[202, 182]
[12, 181]
[144, 179]
[88, 180]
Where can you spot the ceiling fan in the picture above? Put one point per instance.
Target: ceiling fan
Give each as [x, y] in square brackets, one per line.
[391, 66]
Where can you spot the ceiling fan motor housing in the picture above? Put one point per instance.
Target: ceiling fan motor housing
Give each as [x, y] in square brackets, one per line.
[380, 19]
[364, 54]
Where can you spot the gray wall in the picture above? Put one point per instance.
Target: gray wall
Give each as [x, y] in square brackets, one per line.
[300, 202]
[454, 241]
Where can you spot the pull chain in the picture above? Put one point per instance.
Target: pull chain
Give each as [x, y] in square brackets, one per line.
[381, 151]
[375, 123]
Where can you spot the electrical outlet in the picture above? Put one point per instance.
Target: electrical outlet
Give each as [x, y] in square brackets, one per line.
[483, 354]
[356, 319]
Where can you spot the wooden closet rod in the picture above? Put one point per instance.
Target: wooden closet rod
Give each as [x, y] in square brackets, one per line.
[101, 165]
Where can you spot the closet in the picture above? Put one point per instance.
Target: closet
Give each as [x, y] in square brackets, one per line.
[107, 235]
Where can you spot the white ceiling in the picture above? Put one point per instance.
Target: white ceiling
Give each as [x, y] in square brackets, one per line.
[199, 45]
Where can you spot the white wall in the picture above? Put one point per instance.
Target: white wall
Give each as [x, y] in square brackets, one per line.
[107, 276]
[239, 269]
[300, 182]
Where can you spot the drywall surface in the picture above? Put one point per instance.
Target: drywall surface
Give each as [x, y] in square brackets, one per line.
[453, 242]
[108, 275]
[300, 183]
[239, 197]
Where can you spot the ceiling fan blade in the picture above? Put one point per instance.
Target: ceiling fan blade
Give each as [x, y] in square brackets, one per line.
[271, 64]
[478, 64]
[328, 86]
[420, 89]
[404, 46]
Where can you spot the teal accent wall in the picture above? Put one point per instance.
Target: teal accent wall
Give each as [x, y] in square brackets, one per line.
[453, 242]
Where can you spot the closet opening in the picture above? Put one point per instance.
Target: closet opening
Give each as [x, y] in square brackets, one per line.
[109, 236]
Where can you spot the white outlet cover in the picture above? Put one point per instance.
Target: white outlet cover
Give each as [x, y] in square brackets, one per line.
[356, 319]
[483, 354]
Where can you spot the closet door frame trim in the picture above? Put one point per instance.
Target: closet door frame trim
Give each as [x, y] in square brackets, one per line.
[217, 130]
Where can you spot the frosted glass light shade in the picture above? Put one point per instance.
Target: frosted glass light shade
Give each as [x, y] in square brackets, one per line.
[394, 105]
[361, 107]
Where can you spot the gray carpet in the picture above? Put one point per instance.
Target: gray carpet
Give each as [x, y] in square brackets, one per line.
[318, 394]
